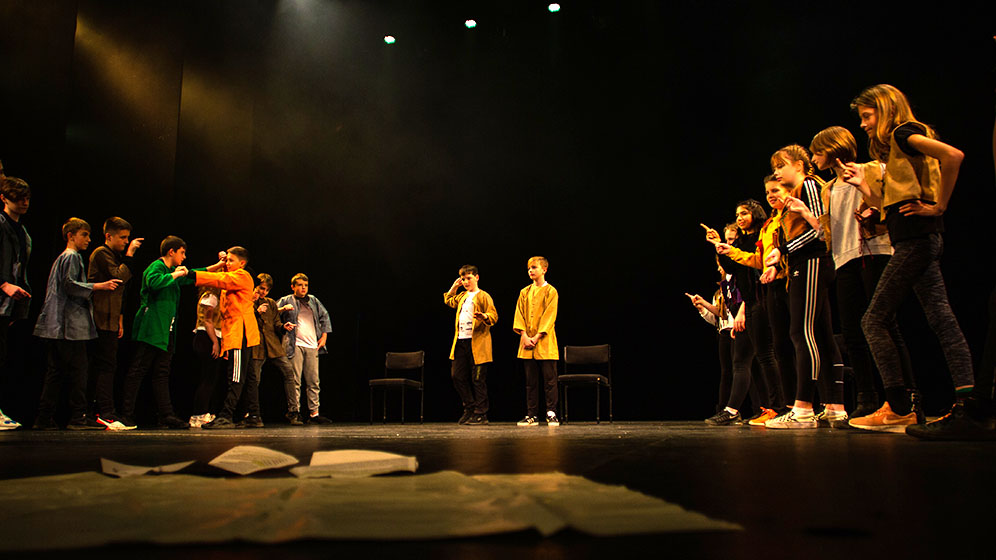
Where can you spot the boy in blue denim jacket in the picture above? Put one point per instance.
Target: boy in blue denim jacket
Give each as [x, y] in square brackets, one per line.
[304, 343]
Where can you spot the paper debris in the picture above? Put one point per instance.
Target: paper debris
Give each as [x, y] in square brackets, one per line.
[355, 463]
[122, 470]
[247, 459]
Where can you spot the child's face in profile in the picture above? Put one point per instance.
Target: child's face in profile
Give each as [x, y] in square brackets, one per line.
[535, 271]
[469, 281]
[117, 240]
[80, 239]
[260, 292]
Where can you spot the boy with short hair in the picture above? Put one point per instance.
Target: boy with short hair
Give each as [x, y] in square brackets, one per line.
[239, 333]
[15, 248]
[303, 343]
[66, 321]
[271, 328]
[113, 259]
[535, 315]
[470, 352]
[154, 333]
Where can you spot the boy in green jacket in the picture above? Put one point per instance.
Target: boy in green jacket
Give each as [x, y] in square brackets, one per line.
[154, 333]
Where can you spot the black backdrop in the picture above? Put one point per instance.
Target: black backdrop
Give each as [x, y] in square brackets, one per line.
[599, 137]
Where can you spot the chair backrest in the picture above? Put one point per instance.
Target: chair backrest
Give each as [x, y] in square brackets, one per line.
[404, 361]
[589, 355]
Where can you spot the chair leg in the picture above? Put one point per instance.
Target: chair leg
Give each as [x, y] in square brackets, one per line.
[384, 417]
[566, 409]
[598, 403]
[371, 406]
[421, 406]
[403, 391]
[610, 403]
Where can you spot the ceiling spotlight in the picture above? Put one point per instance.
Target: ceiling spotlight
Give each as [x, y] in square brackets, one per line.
[389, 39]
[470, 24]
[554, 8]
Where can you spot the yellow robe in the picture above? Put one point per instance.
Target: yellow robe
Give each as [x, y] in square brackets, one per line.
[480, 339]
[536, 312]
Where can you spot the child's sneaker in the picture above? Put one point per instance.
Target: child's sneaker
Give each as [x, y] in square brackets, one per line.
[8, 423]
[113, 424]
[792, 421]
[885, 420]
[528, 421]
[765, 415]
[551, 418]
[199, 420]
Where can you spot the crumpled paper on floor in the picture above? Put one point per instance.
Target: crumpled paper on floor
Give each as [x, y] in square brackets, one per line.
[183, 509]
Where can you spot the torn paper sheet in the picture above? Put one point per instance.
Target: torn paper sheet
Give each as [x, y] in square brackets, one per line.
[355, 463]
[247, 459]
[122, 470]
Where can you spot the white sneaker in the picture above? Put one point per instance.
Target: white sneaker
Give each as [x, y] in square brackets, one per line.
[117, 426]
[551, 418]
[8, 423]
[791, 421]
[201, 419]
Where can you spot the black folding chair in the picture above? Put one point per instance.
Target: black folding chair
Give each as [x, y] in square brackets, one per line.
[580, 365]
[408, 362]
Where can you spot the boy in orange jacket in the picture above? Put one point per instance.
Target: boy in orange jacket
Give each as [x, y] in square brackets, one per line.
[239, 331]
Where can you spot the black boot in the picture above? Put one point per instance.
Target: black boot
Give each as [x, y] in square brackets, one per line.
[867, 404]
[971, 420]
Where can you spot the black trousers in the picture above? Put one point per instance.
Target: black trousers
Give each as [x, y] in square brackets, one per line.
[549, 371]
[759, 329]
[779, 319]
[469, 379]
[240, 376]
[725, 347]
[66, 361]
[811, 329]
[103, 367]
[209, 373]
[148, 359]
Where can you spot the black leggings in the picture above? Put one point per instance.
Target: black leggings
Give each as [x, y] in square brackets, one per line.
[725, 347]
[811, 330]
[779, 319]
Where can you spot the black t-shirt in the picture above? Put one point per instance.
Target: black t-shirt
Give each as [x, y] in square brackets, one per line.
[22, 237]
[747, 278]
[909, 227]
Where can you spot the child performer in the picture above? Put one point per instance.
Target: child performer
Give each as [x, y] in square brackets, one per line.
[154, 335]
[239, 332]
[810, 272]
[920, 175]
[207, 354]
[535, 315]
[15, 248]
[304, 341]
[271, 328]
[113, 259]
[774, 288]
[66, 321]
[860, 247]
[471, 349]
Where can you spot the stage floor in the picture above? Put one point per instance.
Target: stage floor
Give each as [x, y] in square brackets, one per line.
[823, 492]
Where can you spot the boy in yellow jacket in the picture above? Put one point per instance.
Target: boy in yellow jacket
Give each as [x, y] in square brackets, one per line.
[535, 315]
[471, 349]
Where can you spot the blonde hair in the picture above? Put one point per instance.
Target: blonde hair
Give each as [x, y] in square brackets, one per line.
[793, 153]
[540, 261]
[837, 143]
[892, 109]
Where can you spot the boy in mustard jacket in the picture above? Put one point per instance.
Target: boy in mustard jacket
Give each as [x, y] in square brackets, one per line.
[471, 349]
[535, 315]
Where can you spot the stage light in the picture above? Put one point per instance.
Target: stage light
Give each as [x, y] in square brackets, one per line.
[389, 39]
[470, 24]
[554, 8]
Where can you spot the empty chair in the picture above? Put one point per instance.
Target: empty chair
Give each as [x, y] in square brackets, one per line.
[413, 366]
[587, 365]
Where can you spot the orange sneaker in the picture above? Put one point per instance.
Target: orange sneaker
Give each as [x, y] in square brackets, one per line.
[760, 419]
[884, 420]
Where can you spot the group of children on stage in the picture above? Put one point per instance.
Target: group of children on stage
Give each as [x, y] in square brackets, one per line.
[238, 327]
[876, 228]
